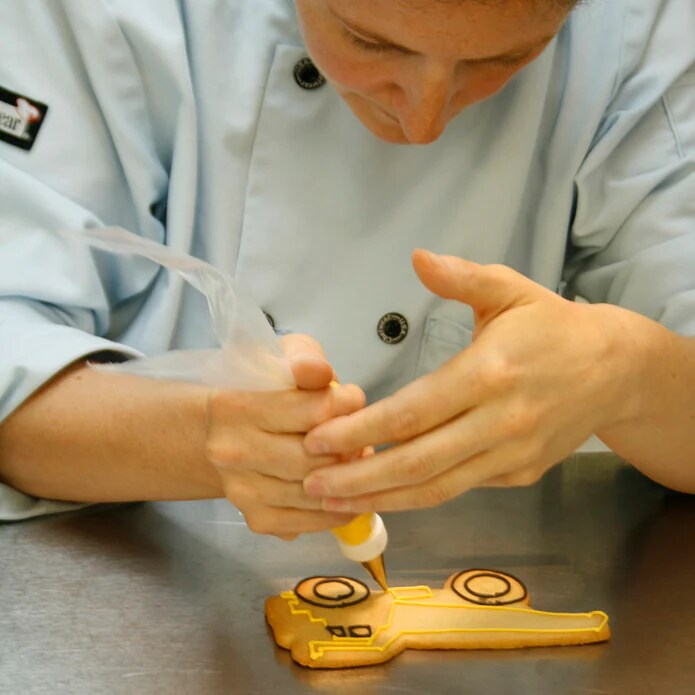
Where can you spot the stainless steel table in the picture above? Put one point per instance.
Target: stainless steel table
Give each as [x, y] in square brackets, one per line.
[168, 597]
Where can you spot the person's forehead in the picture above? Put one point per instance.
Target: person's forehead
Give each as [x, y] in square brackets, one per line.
[466, 28]
[530, 7]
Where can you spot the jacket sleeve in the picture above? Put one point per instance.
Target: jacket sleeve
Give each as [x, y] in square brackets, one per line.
[94, 162]
[633, 235]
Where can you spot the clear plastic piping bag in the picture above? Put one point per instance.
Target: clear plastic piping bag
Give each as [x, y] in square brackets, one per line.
[250, 357]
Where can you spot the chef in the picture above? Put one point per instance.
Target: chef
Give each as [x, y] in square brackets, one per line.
[414, 191]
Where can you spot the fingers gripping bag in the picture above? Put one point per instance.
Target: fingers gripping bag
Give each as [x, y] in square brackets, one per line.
[249, 358]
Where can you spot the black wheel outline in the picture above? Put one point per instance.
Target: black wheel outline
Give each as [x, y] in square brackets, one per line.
[507, 584]
[329, 580]
[346, 581]
[488, 601]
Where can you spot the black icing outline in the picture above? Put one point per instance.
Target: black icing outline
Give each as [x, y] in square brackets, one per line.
[352, 628]
[504, 592]
[486, 600]
[342, 580]
[336, 630]
[332, 580]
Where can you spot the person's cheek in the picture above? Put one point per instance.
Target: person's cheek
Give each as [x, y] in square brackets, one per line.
[480, 87]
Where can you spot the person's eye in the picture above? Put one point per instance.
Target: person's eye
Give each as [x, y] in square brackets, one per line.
[504, 62]
[367, 45]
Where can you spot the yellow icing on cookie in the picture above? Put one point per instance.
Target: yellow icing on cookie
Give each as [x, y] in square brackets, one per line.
[317, 648]
[396, 592]
[293, 602]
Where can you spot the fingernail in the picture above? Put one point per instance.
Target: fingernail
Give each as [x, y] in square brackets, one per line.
[315, 487]
[316, 446]
[306, 357]
[433, 257]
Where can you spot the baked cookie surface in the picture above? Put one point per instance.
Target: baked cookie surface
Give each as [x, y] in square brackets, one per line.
[337, 622]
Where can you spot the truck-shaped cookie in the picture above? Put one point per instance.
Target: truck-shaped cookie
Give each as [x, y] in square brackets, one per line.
[334, 622]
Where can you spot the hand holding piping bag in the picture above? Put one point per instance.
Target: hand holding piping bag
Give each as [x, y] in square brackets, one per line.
[254, 373]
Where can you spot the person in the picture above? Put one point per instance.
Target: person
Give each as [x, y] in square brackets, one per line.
[531, 150]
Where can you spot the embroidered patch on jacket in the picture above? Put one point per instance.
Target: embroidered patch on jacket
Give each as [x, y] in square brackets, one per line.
[20, 118]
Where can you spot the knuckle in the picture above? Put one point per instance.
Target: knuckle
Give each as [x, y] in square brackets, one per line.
[520, 421]
[415, 468]
[260, 522]
[212, 451]
[401, 423]
[223, 453]
[497, 373]
[435, 494]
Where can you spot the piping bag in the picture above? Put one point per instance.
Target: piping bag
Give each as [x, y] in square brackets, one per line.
[249, 358]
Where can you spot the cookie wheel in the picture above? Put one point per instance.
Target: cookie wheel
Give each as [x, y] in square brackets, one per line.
[331, 592]
[487, 587]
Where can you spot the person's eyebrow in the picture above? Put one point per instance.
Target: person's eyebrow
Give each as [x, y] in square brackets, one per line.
[377, 38]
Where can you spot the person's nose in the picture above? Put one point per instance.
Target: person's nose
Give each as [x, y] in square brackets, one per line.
[423, 102]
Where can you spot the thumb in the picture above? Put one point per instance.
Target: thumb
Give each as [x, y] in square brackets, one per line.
[489, 289]
[310, 367]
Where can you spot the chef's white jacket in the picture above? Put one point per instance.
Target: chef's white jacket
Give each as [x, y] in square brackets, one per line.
[182, 121]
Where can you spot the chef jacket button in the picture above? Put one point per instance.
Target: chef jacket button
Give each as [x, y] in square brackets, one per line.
[307, 76]
[392, 328]
[270, 319]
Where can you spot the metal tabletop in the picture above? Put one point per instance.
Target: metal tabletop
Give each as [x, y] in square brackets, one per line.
[168, 597]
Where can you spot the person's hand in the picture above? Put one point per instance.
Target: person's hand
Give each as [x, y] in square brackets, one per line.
[254, 440]
[542, 374]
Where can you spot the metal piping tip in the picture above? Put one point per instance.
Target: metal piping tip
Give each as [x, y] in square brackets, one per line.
[376, 568]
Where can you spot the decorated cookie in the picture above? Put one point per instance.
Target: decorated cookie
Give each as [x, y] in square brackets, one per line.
[336, 622]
